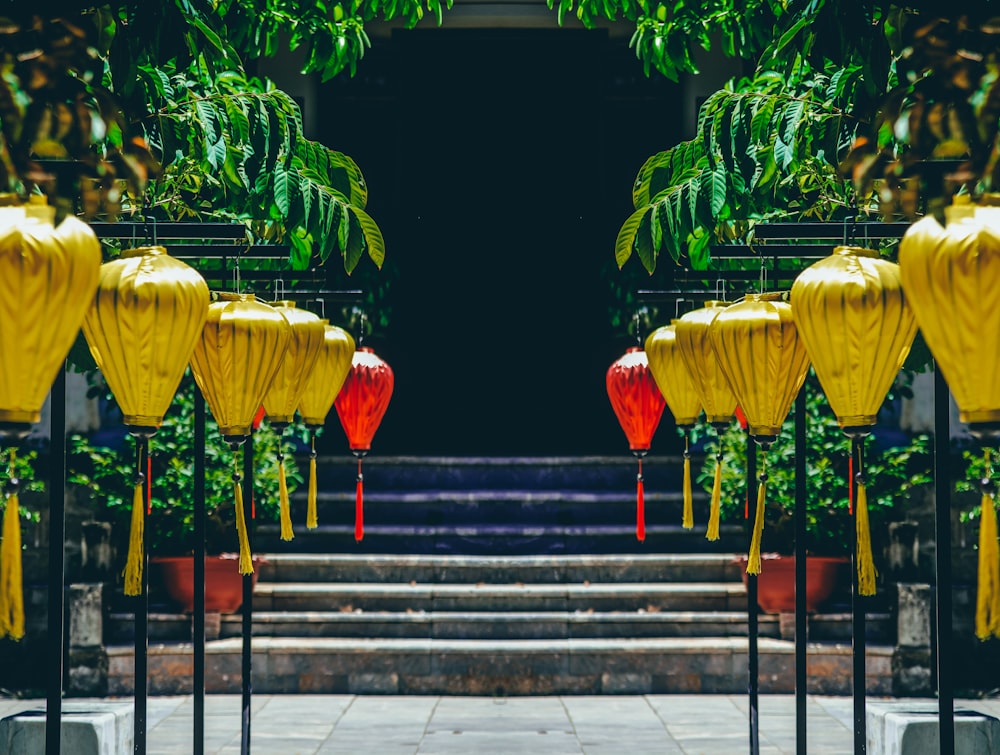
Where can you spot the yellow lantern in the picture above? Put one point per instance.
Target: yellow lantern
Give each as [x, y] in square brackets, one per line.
[148, 312]
[234, 362]
[857, 328]
[282, 398]
[710, 384]
[321, 388]
[950, 277]
[677, 386]
[765, 362]
[48, 273]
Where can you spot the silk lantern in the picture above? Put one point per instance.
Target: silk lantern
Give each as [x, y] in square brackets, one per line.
[765, 362]
[234, 362]
[712, 386]
[950, 276]
[321, 388]
[282, 398]
[677, 386]
[638, 404]
[858, 329]
[48, 274]
[361, 404]
[148, 313]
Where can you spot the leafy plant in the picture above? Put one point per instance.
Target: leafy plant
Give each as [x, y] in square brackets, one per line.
[893, 474]
[106, 474]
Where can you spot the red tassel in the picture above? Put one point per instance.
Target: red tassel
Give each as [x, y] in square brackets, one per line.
[640, 507]
[359, 516]
[850, 484]
[253, 507]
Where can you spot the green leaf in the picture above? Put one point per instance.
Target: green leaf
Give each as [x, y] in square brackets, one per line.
[626, 236]
[643, 244]
[282, 188]
[713, 189]
[761, 123]
[355, 242]
[238, 120]
[373, 236]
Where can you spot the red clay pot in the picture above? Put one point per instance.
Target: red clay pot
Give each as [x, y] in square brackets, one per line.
[776, 582]
[223, 581]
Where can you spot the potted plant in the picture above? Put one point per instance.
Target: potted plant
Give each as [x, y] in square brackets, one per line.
[893, 472]
[104, 467]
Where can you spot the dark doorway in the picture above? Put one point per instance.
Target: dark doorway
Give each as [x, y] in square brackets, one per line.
[500, 165]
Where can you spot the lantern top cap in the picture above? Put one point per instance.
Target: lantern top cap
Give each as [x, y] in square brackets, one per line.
[990, 199]
[855, 251]
[766, 296]
[141, 251]
[716, 303]
[9, 199]
[286, 303]
[230, 296]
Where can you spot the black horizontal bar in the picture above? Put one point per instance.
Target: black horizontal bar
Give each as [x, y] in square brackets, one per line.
[835, 230]
[712, 276]
[346, 296]
[264, 275]
[770, 251]
[677, 295]
[143, 231]
[229, 251]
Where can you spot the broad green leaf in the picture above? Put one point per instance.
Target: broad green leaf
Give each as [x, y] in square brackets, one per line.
[238, 120]
[713, 188]
[355, 243]
[626, 236]
[208, 119]
[644, 246]
[372, 234]
[282, 188]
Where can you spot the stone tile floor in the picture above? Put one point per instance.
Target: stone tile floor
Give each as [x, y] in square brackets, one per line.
[434, 725]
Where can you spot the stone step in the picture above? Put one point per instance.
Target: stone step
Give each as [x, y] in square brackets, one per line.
[338, 567]
[499, 667]
[313, 596]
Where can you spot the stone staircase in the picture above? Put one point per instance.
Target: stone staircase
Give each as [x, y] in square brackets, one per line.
[482, 602]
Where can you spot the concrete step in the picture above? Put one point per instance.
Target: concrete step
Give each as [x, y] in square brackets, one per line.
[338, 567]
[499, 667]
[313, 596]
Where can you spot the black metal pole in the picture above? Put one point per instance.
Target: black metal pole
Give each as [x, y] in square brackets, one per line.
[942, 536]
[247, 597]
[858, 604]
[141, 625]
[753, 684]
[199, 573]
[57, 536]
[801, 659]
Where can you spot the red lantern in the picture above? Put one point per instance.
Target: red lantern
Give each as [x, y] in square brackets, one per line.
[638, 404]
[361, 404]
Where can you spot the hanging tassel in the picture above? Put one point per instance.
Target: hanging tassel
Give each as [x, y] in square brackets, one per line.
[687, 521]
[246, 560]
[988, 592]
[850, 484]
[714, 512]
[753, 557]
[866, 562]
[136, 557]
[284, 507]
[149, 479]
[311, 507]
[11, 588]
[359, 513]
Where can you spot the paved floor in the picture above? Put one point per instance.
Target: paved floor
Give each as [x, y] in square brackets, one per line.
[415, 725]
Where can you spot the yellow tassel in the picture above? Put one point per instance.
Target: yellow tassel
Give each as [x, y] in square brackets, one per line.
[712, 533]
[688, 521]
[753, 557]
[286, 514]
[246, 560]
[311, 508]
[133, 565]
[866, 563]
[988, 593]
[11, 590]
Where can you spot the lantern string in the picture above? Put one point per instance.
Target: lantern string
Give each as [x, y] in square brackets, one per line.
[753, 557]
[988, 592]
[11, 587]
[134, 562]
[688, 517]
[311, 505]
[865, 560]
[246, 560]
[149, 477]
[850, 484]
[283, 502]
[359, 515]
[640, 506]
[714, 512]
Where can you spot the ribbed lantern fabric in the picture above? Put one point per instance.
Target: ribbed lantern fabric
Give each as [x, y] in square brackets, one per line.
[147, 314]
[321, 388]
[858, 329]
[696, 351]
[677, 386]
[765, 362]
[361, 404]
[239, 352]
[48, 274]
[951, 276]
[638, 404]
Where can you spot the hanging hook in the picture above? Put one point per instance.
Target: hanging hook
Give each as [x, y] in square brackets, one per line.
[763, 273]
[279, 288]
[638, 338]
[720, 289]
[236, 275]
[361, 332]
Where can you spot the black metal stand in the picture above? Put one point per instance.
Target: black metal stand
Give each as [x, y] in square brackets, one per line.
[247, 598]
[801, 640]
[858, 604]
[942, 561]
[141, 626]
[198, 629]
[57, 565]
[753, 658]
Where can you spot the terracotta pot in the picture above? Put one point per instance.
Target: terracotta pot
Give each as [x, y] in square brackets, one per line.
[776, 582]
[223, 581]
